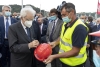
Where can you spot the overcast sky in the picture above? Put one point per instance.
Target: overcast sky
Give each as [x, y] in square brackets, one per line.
[81, 5]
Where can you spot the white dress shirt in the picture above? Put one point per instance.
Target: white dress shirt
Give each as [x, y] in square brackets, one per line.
[24, 27]
[41, 26]
[55, 22]
[9, 21]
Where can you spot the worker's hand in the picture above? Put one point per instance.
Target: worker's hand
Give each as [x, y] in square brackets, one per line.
[49, 59]
[52, 44]
[33, 44]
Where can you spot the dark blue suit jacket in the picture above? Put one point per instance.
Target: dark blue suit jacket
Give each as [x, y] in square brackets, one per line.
[2, 28]
[43, 35]
[94, 29]
[44, 30]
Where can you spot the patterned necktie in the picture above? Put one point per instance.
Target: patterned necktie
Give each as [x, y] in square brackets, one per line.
[7, 26]
[28, 32]
[52, 32]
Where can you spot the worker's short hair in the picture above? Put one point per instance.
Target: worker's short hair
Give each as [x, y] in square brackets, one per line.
[69, 7]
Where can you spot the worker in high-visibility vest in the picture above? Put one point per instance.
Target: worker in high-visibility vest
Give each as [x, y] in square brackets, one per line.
[73, 39]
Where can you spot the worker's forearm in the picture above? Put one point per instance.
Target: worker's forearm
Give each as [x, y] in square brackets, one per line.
[57, 41]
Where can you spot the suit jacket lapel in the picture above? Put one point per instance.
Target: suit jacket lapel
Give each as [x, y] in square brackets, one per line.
[11, 20]
[23, 32]
[50, 27]
[32, 33]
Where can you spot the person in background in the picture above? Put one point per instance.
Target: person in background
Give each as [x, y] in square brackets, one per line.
[5, 22]
[90, 21]
[53, 33]
[96, 53]
[89, 45]
[43, 29]
[96, 28]
[15, 15]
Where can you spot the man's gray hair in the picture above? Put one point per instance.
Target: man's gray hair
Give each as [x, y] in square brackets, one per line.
[24, 10]
[6, 6]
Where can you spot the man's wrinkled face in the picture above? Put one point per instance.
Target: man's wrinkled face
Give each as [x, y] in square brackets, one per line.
[28, 17]
[6, 9]
[66, 13]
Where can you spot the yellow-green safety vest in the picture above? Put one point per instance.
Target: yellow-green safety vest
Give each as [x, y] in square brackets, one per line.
[66, 45]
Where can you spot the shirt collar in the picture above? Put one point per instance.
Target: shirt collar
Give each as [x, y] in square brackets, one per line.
[5, 18]
[56, 20]
[23, 25]
[71, 23]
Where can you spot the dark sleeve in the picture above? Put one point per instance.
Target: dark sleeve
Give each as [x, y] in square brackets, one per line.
[37, 31]
[47, 34]
[15, 20]
[89, 37]
[78, 36]
[14, 46]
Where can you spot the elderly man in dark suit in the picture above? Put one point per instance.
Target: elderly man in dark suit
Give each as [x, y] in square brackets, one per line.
[5, 22]
[53, 33]
[23, 37]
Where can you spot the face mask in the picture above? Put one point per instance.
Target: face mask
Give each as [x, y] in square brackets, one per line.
[28, 23]
[52, 18]
[15, 16]
[82, 20]
[19, 16]
[66, 19]
[48, 18]
[7, 14]
[96, 59]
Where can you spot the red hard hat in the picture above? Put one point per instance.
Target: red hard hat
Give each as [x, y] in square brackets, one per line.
[43, 51]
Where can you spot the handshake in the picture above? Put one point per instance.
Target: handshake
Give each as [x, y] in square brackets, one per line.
[33, 44]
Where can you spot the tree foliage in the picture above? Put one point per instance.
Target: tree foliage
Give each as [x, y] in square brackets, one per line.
[17, 8]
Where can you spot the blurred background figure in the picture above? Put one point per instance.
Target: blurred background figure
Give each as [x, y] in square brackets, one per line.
[5, 21]
[96, 53]
[53, 33]
[96, 28]
[1, 14]
[16, 16]
[90, 25]
[43, 29]
[90, 21]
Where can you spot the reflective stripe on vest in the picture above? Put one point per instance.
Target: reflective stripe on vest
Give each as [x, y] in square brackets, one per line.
[66, 44]
[78, 56]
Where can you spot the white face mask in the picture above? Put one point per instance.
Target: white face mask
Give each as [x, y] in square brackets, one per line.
[82, 20]
[15, 16]
[28, 23]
